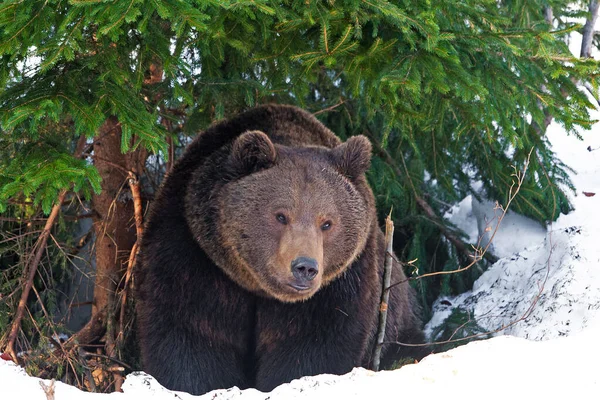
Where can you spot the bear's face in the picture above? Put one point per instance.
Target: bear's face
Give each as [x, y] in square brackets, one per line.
[292, 219]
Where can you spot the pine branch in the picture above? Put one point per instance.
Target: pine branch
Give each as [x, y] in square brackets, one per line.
[461, 246]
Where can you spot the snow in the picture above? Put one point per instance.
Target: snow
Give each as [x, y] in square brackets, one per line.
[502, 367]
[478, 220]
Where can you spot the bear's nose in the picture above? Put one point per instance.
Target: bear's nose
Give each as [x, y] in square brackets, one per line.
[305, 268]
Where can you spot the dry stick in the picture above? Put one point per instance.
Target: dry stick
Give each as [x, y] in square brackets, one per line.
[31, 270]
[331, 108]
[134, 185]
[385, 296]
[48, 389]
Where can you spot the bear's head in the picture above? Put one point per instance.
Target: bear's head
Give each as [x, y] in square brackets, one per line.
[287, 220]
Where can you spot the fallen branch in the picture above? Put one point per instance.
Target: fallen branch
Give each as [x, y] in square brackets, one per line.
[30, 272]
[385, 295]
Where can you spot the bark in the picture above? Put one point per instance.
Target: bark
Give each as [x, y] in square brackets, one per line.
[588, 30]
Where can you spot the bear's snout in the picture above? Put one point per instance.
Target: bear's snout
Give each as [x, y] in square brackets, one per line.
[305, 269]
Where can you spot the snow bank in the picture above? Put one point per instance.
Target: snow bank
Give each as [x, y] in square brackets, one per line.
[561, 275]
[498, 368]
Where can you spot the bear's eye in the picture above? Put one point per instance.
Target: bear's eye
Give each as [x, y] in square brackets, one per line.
[281, 218]
[326, 226]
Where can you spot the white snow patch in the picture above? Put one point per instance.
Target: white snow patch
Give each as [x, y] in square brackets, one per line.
[561, 276]
[502, 367]
[478, 220]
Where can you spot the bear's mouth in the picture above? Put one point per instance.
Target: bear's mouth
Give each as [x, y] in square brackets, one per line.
[299, 287]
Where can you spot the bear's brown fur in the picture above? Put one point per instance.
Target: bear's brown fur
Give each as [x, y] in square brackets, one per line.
[262, 259]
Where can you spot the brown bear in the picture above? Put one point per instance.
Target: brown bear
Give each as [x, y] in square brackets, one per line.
[262, 259]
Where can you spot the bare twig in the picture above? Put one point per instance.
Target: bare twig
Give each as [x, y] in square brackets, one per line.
[385, 295]
[331, 108]
[134, 185]
[480, 252]
[88, 355]
[48, 389]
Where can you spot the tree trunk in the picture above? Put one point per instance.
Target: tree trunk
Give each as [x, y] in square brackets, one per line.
[588, 30]
[114, 230]
[115, 227]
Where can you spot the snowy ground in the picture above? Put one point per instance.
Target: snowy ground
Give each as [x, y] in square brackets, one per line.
[499, 368]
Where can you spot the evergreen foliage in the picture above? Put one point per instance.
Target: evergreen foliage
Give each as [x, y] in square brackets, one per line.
[458, 325]
[455, 91]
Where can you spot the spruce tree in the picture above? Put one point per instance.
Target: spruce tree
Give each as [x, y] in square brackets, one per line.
[96, 95]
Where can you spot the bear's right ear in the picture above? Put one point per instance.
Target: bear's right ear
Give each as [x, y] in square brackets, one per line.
[353, 158]
[252, 151]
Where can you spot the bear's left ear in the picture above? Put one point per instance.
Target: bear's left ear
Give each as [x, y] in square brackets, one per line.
[252, 151]
[353, 158]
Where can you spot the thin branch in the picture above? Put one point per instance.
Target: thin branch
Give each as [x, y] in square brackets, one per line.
[86, 354]
[331, 108]
[134, 185]
[525, 315]
[479, 252]
[31, 270]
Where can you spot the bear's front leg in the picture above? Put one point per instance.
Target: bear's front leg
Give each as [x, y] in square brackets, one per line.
[195, 326]
[181, 360]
